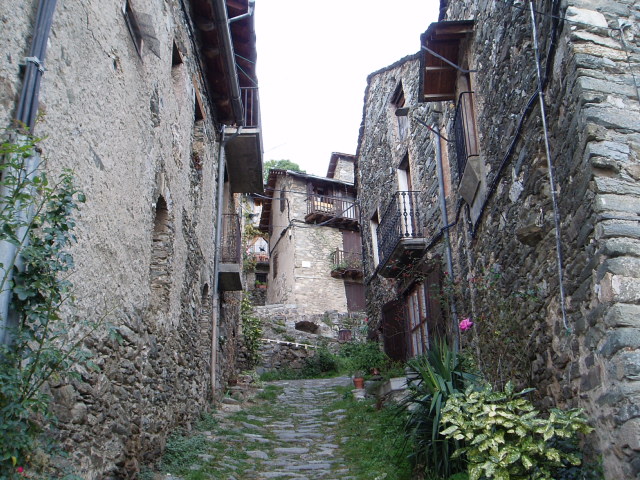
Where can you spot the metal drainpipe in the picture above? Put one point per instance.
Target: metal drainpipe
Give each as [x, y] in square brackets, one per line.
[26, 113]
[447, 242]
[222, 25]
[218, 252]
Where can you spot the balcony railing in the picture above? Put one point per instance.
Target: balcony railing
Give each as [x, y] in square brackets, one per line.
[401, 221]
[251, 104]
[321, 208]
[231, 240]
[464, 130]
[260, 257]
[346, 264]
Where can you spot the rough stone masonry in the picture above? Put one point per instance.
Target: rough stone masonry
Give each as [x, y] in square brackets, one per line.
[590, 57]
[147, 161]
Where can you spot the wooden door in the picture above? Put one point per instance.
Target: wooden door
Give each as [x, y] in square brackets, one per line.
[393, 330]
[355, 297]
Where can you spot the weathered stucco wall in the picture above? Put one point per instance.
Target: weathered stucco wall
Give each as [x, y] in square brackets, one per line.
[594, 133]
[302, 253]
[281, 244]
[125, 125]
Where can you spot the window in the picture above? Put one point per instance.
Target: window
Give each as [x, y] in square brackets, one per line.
[198, 105]
[176, 56]
[417, 318]
[423, 313]
[464, 126]
[445, 76]
[161, 252]
[374, 222]
[398, 102]
[274, 266]
[355, 297]
[133, 25]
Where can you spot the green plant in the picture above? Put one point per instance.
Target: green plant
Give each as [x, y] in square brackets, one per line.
[376, 452]
[363, 356]
[39, 346]
[182, 451]
[270, 392]
[504, 324]
[392, 370]
[432, 380]
[280, 164]
[322, 362]
[506, 437]
[251, 330]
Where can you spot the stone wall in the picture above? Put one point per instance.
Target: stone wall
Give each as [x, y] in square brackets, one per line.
[592, 113]
[300, 253]
[283, 345]
[344, 169]
[144, 257]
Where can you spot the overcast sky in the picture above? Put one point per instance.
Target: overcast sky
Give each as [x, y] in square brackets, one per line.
[313, 60]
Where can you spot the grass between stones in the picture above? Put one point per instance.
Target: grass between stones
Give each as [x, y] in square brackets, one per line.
[221, 446]
[233, 446]
[373, 441]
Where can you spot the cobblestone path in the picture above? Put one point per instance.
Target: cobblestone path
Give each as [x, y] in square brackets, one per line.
[292, 436]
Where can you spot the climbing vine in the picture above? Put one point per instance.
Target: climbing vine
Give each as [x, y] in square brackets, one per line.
[36, 218]
[251, 330]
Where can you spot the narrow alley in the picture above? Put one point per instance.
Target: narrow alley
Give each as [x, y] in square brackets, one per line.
[288, 431]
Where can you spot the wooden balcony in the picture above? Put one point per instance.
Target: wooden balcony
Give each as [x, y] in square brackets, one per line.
[335, 211]
[346, 264]
[230, 270]
[401, 238]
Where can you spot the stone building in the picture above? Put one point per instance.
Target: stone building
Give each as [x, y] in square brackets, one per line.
[314, 239]
[143, 99]
[463, 216]
[256, 254]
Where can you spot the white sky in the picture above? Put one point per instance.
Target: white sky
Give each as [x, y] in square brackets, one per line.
[313, 60]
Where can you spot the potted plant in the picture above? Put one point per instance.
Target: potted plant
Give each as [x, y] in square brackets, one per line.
[358, 379]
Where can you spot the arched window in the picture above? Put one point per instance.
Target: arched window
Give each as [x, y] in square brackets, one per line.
[161, 252]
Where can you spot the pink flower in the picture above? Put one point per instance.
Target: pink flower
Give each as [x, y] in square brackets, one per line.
[366, 320]
[465, 324]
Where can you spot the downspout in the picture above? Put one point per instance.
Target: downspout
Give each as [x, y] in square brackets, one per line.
[224, 36]
[218, 252]
[445, 232]
[26, 113]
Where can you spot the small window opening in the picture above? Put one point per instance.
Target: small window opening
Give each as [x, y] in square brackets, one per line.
[398, 102]
[161, 253]
[176, 56]
[134, 26]
[374, 223]
[261, 277]
[274, 266]
[199, 109]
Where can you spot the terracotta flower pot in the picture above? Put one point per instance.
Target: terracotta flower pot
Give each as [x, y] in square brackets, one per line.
[358, 382]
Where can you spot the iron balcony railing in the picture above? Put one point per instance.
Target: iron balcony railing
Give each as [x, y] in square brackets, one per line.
[402, 219]
[251, 104]
[231, 239]
[332, 206]
[260, 257]
[464, 131]
[343, 261]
